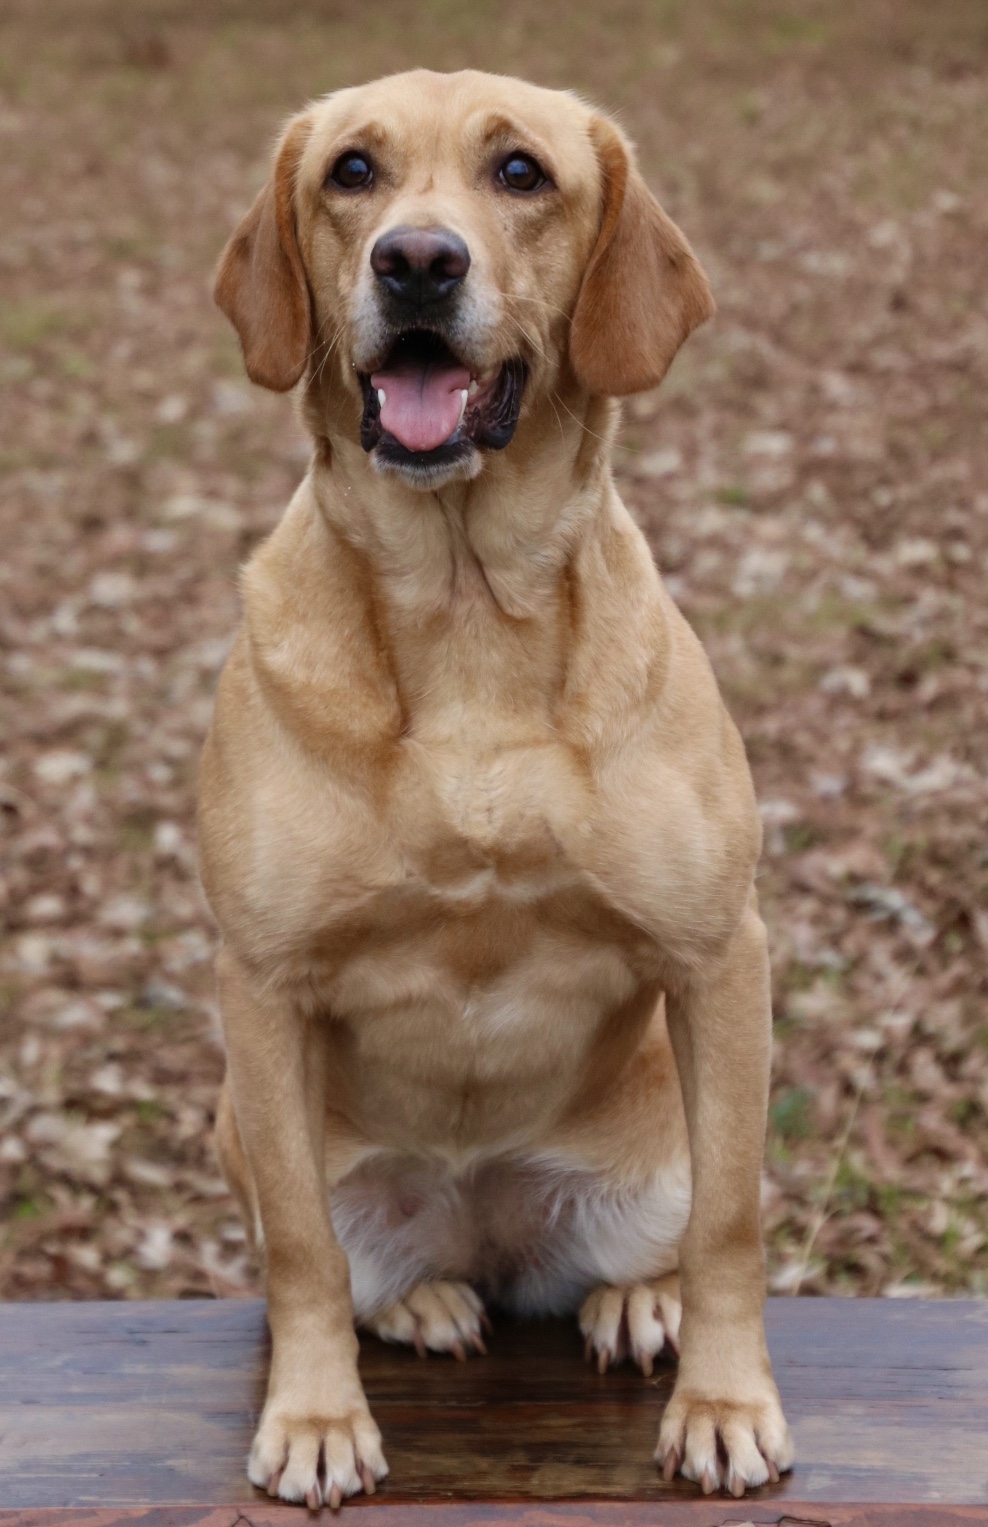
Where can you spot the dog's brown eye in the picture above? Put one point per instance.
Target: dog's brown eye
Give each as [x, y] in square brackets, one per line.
[522, 173]
[352, 172]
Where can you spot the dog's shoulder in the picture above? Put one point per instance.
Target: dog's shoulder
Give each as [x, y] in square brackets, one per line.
[311, 641]
[673, 830]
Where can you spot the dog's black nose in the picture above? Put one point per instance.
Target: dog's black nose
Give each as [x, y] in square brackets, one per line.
[420, 265]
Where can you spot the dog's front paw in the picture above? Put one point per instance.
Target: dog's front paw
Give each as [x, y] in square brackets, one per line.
[634, 1321]
[317, 1459]
[727, 1444]
[434, 1317]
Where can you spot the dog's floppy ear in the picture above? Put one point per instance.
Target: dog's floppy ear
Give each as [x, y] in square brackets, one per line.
[643, 291]
[260, 280]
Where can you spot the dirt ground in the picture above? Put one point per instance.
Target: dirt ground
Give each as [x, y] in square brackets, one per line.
[813, 478]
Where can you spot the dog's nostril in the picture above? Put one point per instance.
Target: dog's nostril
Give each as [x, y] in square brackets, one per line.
[420, 264]
[452, 261]
[394, 265]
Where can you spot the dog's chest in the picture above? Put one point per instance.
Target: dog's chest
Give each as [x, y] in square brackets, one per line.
[481, 838]
[488, 822]
[490, 951]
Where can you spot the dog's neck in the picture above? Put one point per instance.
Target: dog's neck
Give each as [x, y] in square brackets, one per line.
[510, 530]
[472, 589]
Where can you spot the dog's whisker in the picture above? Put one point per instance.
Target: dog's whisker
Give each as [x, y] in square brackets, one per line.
[327, 346]
[541, 302]
[535, 344]
[581, 422]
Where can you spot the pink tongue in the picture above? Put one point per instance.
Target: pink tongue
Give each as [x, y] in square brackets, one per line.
[421, 405]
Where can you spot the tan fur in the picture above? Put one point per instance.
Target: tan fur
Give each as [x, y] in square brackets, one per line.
[475, 823]
[261, 286]
[643, 292]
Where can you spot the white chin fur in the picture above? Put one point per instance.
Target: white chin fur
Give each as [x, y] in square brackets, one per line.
[427, 479]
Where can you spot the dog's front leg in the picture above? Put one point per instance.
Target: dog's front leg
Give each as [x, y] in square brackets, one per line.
[724, 1424]
[316, 1441]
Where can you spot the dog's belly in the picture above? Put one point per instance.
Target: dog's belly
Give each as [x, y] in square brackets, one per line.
[470, 1018]
[535, 1234]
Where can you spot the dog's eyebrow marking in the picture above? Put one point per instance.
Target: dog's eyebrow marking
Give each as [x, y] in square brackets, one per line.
[498, 124]
[498, 127]
[370, 132]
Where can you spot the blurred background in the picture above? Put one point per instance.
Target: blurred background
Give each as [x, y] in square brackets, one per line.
[813, 478]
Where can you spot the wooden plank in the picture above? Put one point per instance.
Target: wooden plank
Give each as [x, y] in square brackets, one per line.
[716, 1513]
[106, 1409]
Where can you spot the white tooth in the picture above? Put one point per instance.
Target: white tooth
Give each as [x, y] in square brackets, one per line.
[474, 387]
[463, 406]
[382, 396]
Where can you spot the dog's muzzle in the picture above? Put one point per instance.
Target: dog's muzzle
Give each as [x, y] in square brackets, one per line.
[423, 406]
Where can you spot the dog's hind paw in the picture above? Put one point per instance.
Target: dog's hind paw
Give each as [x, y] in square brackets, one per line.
[636, 1321]
[434, 1317]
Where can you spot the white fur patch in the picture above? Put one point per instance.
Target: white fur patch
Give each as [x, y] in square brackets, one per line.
[535, 1234]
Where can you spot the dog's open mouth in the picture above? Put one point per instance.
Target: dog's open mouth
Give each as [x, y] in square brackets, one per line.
[424, 408]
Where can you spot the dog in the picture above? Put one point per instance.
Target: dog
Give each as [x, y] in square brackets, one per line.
[477, 830]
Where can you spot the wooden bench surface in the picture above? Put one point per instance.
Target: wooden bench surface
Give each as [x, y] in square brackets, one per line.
[127, 1412]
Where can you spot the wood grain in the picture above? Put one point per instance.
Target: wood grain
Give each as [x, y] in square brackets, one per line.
[113, 1413]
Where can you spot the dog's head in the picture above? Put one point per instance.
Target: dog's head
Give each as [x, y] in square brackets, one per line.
[450, 249]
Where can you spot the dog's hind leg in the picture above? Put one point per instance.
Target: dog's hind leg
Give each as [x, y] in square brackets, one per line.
[634, 1321]
[434, 1317]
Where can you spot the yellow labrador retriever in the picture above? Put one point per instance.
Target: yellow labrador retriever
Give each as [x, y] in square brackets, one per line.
[477, 829]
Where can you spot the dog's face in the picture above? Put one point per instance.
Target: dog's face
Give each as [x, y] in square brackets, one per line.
[450, 250]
